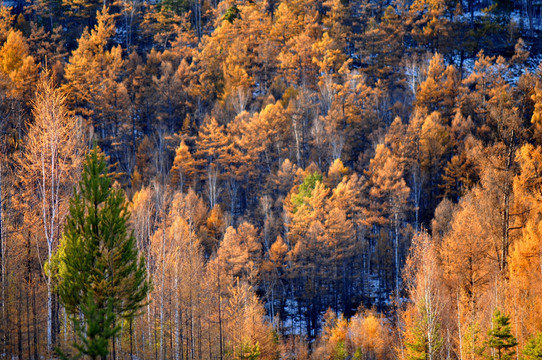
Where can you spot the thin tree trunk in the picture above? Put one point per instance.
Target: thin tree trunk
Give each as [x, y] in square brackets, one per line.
[209, 342]
[19, 324]
[2, 269]
[49, 308]
[200, 337]
[163, 276]
[459, 327]
[396, 254]
[181, 336]
[114, 348]
[297, 140]
[155, 342]
[176, 316]
[220, 313]
[28, 336]
[131, 341]
[149, 329]
[35, 322]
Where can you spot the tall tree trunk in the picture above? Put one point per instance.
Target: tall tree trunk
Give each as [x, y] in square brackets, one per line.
[28, 335]
[162, 280]
[297, 136]
[175, 348]
[220, 313]
[19, 324]
[155, 341]
[131, 340]
[28, 281]
[35, 321]
[49, 305]
[396, 253]
[460, 334]
[4, 324]
[149, 328]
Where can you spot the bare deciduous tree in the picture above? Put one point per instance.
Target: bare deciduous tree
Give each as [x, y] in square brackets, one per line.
[49, 166]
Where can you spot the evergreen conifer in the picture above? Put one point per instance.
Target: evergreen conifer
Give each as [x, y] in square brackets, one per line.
[102, 278]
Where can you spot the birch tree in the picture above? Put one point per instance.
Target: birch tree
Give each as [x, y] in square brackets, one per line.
[422, 333]
[50, 164]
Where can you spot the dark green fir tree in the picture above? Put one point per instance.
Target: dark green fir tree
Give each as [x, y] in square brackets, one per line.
[501, 342]
[102, 278]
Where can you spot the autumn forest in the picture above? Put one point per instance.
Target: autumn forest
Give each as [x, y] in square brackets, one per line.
[271, 179]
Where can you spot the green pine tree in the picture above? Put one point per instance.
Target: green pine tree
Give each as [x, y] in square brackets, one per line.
[102, 278]
[340, 352]
[306, 188]
[249, 352]
[426, 339]
[500, 338]
[533, 348]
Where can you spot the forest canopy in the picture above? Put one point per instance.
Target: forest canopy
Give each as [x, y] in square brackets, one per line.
[303, 179]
